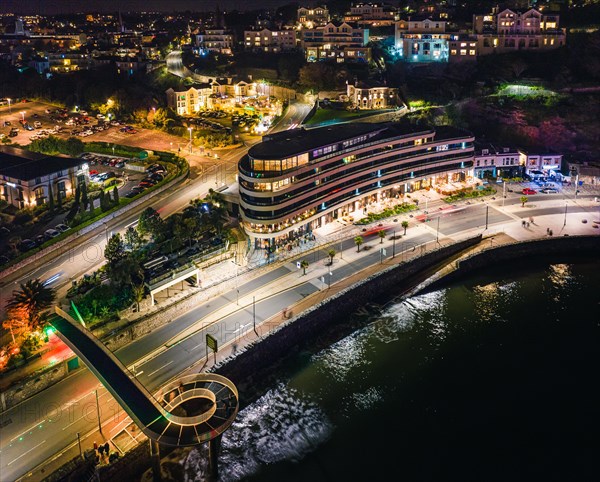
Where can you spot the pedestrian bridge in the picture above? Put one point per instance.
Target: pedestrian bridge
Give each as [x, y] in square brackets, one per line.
[161, 418]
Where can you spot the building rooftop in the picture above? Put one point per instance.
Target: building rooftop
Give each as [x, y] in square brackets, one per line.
[25, 165]
[296, 141]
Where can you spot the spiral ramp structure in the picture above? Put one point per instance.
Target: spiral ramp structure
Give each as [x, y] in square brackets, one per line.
[159, 417]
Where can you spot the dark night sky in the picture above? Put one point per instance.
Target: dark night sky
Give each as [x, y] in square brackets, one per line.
[59, 6]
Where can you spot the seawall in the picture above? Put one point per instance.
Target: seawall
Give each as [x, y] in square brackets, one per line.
[256, 359]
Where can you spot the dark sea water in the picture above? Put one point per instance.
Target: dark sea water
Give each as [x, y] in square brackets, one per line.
[494, 378]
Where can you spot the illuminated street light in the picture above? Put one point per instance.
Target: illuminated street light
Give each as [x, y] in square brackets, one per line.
[22, 115]
[190, 129]
[9, 108]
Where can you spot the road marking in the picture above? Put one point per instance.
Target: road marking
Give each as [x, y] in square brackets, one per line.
[158, 369]
[25, 453]
[241, 327]
[27, 430]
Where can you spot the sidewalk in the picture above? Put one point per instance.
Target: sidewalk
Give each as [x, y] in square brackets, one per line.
[496, 234]
[225, 275]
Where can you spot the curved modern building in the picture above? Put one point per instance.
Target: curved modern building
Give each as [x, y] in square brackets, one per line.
[298, 180]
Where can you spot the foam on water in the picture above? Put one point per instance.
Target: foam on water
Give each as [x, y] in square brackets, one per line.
[281, 425]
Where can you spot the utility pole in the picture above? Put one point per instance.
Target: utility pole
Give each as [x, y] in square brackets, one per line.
[487, 209]
[79, 442]
[98, 412]
[254, 314]
[503, 192]
[394, 245]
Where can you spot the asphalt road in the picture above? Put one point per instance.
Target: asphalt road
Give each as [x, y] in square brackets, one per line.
[205, 173]
[47, 423]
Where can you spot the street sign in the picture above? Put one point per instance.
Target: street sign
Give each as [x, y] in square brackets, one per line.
[383, 251]
[211, 342]
[298, 264]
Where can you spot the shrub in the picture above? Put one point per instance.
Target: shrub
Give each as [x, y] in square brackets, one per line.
[23, 216]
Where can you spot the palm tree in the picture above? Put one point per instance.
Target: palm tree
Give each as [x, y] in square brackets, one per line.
[358, 240]
[331, 254]
[139, 291]
[381, 235]
[31, 300]
[404, 225]
[523, 200]
[304, 265]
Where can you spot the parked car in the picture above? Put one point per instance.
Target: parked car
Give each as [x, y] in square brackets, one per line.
[4, 231]
[28, 127]
[51, 233]
[37, 124]
[93, 172]
[156, 177]
[62, 227]
[40, 239]
[14, 132]
[549, 190]
[26, 245]
[145, 184]
[529, 191]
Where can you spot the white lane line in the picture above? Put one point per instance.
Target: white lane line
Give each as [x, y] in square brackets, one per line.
[25, 453]
[241, 327]
[27, 430]
[197, 346]
[159, 369]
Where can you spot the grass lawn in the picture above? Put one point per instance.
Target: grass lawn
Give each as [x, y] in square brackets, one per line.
[332, 116]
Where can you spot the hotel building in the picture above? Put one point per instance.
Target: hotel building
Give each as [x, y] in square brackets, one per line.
[298, 180]
[27, 178]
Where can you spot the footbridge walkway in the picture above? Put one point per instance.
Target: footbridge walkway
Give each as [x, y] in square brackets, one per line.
[162, 418]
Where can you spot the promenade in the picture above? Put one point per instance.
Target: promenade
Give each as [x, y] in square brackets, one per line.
[225, 280]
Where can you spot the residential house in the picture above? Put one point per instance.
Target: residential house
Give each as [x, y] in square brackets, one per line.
[342, 43]
[313, 17]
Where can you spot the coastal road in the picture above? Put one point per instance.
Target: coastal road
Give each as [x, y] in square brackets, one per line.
[47, 423]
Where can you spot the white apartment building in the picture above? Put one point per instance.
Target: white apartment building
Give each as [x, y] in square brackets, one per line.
[341, 43]
[215, 40]
[421, 39]
[191, 101]
[374, 14]
[266, 40]
[313, 17]
[510, 30]
[492, 161]
[549, 162]
[219, 93]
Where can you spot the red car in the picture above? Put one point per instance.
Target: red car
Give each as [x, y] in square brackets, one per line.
[529, 191]
[93, 172]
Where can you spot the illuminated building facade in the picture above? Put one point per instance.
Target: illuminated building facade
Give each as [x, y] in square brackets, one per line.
[298, 180]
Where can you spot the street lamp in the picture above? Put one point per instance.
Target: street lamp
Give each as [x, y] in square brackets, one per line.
[9, 108]
[22, 115]
[190, 129]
